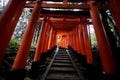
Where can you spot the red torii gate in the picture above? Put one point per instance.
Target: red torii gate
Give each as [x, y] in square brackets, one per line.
[78, 37]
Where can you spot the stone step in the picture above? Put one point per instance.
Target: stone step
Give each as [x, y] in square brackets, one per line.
[62, 64]
[62, 58]
[62, 69]
[62, 61]
[62, 76]
[62, 54]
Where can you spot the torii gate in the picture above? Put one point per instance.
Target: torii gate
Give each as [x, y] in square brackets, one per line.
[78, 35]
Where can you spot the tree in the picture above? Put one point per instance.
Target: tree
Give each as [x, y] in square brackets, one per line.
[21, 25]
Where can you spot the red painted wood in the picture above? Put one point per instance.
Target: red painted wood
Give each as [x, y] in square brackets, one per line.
[104, 47]
[47, 35]
[76, 37]
[82, 39]
[114, 6]
[88, 50]
[8, 21]
[44, 38]
[50, 39]
[22, 54]
[78, 40]
[39, 42]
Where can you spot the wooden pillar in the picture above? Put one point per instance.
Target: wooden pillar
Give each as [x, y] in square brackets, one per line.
[88, 50]
[34, 72]
[73, 44]
[77, 39]
[50, 45]
[104, 47]
[81, 39]
[44, 38]
[114, 6]
[54, 43]
[54, 39]
[79, 44]
[74, 41]
[50, 39]
[22, 54]
[47, 38]
[40, 41]
[70, 39]
[70, 35]
[8, 21]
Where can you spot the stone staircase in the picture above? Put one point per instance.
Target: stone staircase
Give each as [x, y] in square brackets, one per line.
[62, 68]
[66, 64]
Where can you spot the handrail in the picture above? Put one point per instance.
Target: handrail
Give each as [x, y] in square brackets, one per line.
[79, 74]
[49, 66]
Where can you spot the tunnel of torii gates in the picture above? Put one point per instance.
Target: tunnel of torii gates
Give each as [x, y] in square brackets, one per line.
[70, 28]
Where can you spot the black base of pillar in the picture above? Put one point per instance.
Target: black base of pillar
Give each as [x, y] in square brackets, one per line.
[16, 74]
[34, 72]
[110, 77]
[94, 73]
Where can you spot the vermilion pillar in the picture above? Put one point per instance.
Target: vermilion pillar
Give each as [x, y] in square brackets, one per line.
[52, 36]
[50, 39]
[81, 39]
[38, 47]
[54, 39]
[79, 44]
[44, 38]
[22, 54]
[114, 6]
[8, 21]
[70, 39]
[88, 50]
[50, 45]
[35, 64]
[54, 43]
[74, 39]
[70, 35]
[78, 40]
[104, 47]
[47, 37]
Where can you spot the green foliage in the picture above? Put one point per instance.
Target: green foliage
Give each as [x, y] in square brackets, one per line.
[93, 40]
[10, 55]
[14, 43]
[12, 49]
